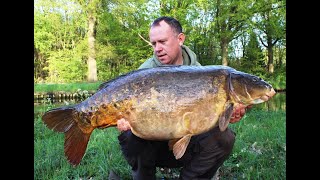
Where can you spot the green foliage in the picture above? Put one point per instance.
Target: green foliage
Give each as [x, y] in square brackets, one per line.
[65, 66]
[278, 78]
[61, 44]
[43, 38]
[253, 60]
[105, 57]
[58, 36]
[118, 40]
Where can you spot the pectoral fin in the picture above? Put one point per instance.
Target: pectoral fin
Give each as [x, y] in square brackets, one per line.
[224, 119]
[179, 148]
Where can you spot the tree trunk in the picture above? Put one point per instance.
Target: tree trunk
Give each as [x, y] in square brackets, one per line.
[92, 64]
[224, 52]
[270, 56]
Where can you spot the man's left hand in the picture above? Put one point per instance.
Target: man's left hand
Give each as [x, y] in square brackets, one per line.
[238, 112]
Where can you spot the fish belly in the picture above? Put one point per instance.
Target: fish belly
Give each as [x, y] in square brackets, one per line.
[165, 121]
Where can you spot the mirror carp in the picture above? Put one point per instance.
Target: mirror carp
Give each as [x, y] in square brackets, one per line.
[162, 103]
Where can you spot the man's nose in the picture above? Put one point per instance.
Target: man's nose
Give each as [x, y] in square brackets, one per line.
[157, 47]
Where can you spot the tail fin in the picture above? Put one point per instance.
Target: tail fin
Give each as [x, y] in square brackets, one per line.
[76, 141]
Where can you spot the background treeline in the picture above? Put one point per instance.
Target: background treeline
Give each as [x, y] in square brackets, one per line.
[96, 40]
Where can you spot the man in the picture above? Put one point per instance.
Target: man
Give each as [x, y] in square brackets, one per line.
[206, 152]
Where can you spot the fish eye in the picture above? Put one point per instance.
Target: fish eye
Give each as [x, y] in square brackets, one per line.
[256, 79]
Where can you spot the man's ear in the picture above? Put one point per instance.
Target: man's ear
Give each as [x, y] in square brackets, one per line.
[181, 38]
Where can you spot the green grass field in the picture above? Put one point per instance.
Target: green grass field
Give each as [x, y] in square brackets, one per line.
[259, 151]
[69, 87]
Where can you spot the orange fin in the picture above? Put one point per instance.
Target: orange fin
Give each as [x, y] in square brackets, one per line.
[75, 144]
[224, 119]
[59, 119]
[62, 120]
[179, 148]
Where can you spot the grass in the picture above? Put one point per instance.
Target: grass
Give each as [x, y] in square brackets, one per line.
[259, 151]
[69, 87]
[260, 147]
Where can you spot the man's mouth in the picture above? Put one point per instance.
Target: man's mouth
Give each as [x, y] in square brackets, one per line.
[161, 55]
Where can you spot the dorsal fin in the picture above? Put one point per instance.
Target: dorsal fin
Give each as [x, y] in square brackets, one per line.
[106, 84]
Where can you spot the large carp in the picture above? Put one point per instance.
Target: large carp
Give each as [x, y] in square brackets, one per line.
[163, 103]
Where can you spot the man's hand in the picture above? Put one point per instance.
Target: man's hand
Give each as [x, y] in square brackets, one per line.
[238, 112]
[123, 125]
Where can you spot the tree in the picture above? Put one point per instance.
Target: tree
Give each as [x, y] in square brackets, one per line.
[253, 60]
[58, 40]
[90, 7]
[230, 18]
[270, 21]
[87, 40]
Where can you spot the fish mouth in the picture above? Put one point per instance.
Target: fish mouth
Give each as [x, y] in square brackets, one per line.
[270, 94]
[265, 97]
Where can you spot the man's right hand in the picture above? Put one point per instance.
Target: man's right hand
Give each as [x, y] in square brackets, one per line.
[239, 112]
[123, 125]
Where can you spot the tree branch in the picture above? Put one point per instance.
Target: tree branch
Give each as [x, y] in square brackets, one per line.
[145, 39]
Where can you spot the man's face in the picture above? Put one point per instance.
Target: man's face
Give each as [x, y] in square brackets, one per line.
[166, 43]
